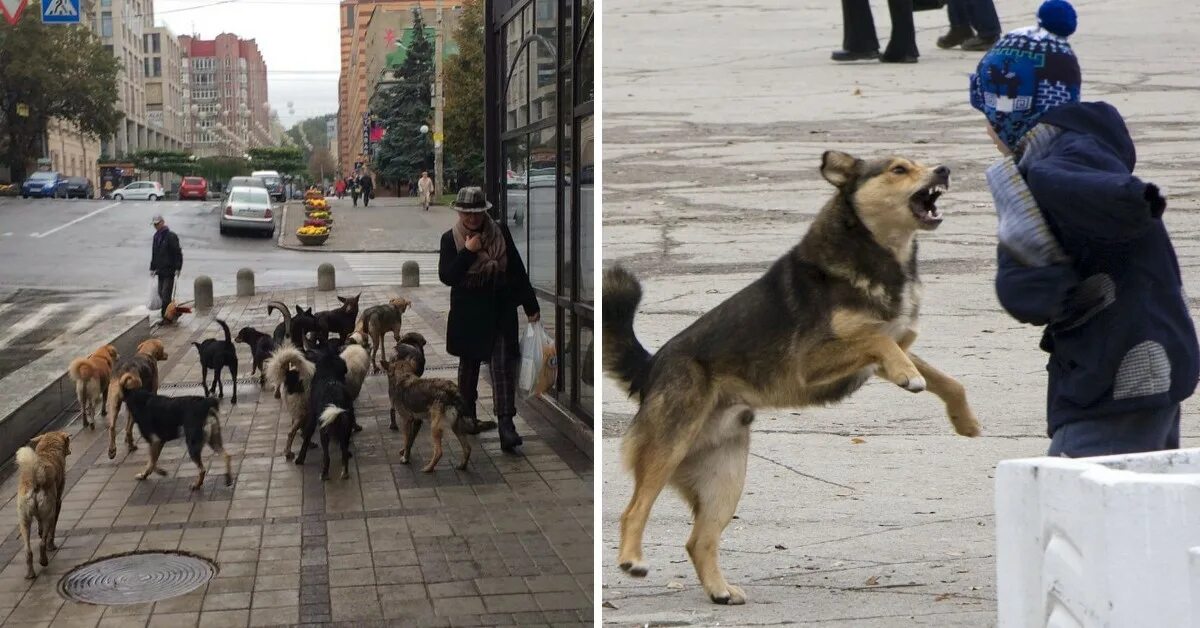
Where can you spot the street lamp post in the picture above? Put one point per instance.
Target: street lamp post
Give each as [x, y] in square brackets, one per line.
[439, 104]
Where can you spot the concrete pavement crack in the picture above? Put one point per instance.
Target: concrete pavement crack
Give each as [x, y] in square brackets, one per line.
[803, 474]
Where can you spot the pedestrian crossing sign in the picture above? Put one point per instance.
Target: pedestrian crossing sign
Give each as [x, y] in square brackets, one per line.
[60, 11]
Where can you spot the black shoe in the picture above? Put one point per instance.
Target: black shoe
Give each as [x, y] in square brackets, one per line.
[955, 36]
[849, 55]
[980, 44]
[509, 439]
[902, 58]
[471, 425]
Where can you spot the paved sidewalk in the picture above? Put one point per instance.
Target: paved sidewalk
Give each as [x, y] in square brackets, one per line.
[507, 542]
[711, 156]
[390, 224]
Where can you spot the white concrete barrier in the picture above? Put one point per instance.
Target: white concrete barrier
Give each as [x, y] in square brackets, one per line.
[1111, 541]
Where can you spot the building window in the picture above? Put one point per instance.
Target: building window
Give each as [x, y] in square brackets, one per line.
[157, 66]
[106, 25]
[154, 39]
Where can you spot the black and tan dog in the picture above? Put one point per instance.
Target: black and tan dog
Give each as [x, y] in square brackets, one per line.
[415, 398]
[262, 347]
[838, 308]
[377, 320]
[163, 419]
[144, 364]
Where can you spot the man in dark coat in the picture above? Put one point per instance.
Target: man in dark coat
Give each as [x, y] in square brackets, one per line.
[166, 260]
[488, 281]
[368, 187]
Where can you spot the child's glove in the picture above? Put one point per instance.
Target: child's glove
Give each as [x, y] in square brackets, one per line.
[1158, 203]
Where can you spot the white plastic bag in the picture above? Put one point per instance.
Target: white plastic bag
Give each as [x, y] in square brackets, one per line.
[155, 303]
[537, 353]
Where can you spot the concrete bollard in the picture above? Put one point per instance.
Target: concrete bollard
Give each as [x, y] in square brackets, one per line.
[325, 277]
[245, 283]
[1106, 541]
[410, 274]
[202, 289]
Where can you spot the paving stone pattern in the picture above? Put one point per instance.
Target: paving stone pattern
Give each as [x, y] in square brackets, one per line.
[507, 542]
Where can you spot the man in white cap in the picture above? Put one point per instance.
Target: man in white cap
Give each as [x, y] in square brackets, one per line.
[166, 260]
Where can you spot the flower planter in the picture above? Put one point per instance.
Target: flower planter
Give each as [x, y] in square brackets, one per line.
[313, 240]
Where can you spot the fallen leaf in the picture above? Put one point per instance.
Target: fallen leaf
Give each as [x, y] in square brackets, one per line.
[857, 441]
[942, 598]
[921, 141]
[675, 585]
[609, 605]
[780, 547]
[872, 581]
[857, 92]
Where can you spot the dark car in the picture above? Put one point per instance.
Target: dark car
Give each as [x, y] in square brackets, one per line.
[241, 182]
[43, 184]
[193, 187]
[75, 187]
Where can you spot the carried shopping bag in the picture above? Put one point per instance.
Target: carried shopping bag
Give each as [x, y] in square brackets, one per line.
[539, 360]
[155, 302]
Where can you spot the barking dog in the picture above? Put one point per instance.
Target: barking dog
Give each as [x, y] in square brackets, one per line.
[330, 410]
[162, 419]
[42, 464]
[218, 354]
[340, 321]
[144, 364]
[414, 399]
[261, 348]
[838, 308]
[290, 372]
[380, 319]
[91, 375]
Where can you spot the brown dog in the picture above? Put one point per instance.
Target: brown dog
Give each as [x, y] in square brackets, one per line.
[144, 364]
[378, 320]
[414, 398]
[43, 468]
[91, 375]
[837, 309]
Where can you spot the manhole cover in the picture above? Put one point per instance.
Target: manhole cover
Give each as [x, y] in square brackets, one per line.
[136, 578]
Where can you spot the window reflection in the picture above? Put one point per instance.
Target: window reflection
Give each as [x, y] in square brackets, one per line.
[587, 150]
[543, 224]
[516, 200]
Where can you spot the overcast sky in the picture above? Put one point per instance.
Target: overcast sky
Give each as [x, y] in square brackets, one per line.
[299, 41]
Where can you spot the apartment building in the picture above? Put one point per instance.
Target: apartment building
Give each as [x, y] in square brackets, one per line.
[224, 95]
[162, 66]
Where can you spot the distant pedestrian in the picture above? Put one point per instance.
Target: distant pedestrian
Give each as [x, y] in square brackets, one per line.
[1083, 250]
[425, 190]
[166, 261]
[368, 188]
[340, 188]
[858, 33]
[355, 190]
[488, 281]
[974, 25]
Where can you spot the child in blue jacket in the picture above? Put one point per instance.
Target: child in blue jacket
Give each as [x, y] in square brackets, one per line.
[1083, 249]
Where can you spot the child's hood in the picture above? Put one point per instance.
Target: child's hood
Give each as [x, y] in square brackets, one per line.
[1085, 183]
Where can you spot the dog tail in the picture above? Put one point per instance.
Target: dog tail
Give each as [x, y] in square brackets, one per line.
[329, 415]
[284, 360]
[30, 466]
[228, 337]
[624, 357]
[81, 370]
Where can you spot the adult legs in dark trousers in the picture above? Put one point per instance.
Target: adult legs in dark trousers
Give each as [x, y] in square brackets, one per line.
[166, 291]
[858, 33]
[974, 25]
[503, 365]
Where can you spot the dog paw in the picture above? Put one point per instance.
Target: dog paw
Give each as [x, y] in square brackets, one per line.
[197, 486]
[140, 476]
[233, 402]
[915, 384]
[43, 561]
[427, 469]
[965, 424]
[461, 467]
[162, 472]
[298, 461]
[635, 569]
[732, 596]
[394, 427]
[324, 477]
[403, 459]
[345, 475]
[228, 480]
[112, 453]
[288, 455]
[30, 576]
[277, 394]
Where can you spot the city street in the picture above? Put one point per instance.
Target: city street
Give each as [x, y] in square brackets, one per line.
[870, 513]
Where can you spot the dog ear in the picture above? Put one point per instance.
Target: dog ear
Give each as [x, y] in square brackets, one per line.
[839, 168]
[33, 442]
[343, 300]
[66, 443]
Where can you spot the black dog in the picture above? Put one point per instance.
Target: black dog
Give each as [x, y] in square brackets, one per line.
[330, 409]
[261, 347]
[161, 419]
[340, 321]
[218, 354]
[294, 326]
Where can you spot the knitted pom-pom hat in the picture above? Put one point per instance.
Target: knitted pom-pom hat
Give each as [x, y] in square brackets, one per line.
[1028, 72]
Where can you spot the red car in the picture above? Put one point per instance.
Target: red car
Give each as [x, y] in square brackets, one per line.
[193, 187]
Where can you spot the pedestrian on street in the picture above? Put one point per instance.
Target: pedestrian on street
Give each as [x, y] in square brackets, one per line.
[488, 281]
[340, 188]
[974, 25]
[425, 189]
[858, 33]
[368, 187]
[1083, 250]
[355, 190]
[166, 261]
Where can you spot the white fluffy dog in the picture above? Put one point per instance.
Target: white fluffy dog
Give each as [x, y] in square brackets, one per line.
[358, 362]
[289, 371]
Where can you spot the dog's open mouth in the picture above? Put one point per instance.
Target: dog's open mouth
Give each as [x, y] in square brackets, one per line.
[924, 205]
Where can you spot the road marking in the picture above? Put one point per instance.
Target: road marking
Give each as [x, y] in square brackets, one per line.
[77, 220]
[384, 268]
[89, 318]
[8, 234]
[30, 322]
[136, 310]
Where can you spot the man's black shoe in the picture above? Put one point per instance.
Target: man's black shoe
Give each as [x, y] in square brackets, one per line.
[509, 439]
[956, 36]
[849, 55]
[471, 425]
[887, 58]
[980, 44]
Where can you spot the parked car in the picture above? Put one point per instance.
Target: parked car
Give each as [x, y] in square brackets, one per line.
[274, 183]
[248, 208]
[140, 190]
[75, 187]
[43, 184]
[193, 187]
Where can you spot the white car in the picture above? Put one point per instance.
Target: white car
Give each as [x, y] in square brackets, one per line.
[248, 209]
[140, 190]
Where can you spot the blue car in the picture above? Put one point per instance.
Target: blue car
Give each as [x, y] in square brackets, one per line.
[43, 184]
